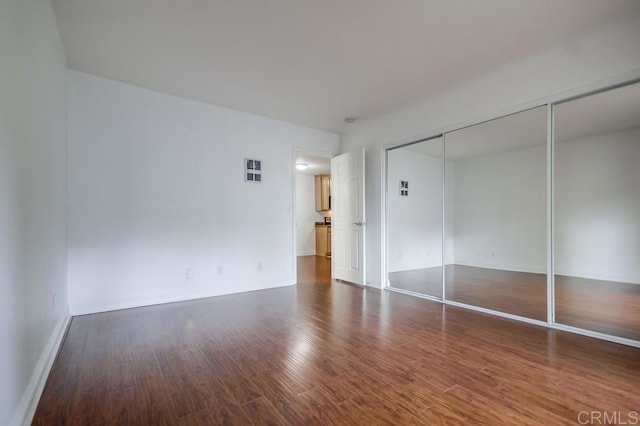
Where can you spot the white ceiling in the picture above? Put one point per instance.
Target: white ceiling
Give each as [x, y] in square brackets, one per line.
[317, 165]
[316, 62]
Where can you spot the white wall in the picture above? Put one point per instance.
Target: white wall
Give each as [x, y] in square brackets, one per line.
[608, 54]
[156, 186]
[597, 207]
[500, 216]
[306, 215]
[32, 202]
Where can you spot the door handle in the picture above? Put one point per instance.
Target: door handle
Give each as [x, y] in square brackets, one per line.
[358, 223]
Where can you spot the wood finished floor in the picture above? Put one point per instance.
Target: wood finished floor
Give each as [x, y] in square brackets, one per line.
[604, 306]
[314, 270]
[328, 353]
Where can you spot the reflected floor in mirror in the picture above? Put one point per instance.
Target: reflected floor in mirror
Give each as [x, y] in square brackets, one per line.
[603, 306]
[517, 293]
[423, 281]
[329, 354]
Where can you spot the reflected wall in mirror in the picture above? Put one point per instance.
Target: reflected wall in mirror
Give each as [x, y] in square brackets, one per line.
[499, 214]
[414, 217]
[597, 212]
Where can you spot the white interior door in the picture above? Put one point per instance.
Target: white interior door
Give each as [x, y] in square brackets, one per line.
[348, 220]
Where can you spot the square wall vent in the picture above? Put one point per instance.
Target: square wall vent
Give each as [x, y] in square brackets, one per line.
[404, 188]
[252, 170]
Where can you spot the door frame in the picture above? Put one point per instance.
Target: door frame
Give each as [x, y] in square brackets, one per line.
[295, 151]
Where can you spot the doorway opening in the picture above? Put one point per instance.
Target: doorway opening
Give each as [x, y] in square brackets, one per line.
[313, 237]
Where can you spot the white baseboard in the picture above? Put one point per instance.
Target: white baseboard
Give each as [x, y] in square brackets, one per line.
[414, 268]
[511, 268]
[31, 396]
[306, 253]
[116, 306]
[575, 273]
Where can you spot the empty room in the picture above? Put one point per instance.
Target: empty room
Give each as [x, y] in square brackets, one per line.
[301, 212]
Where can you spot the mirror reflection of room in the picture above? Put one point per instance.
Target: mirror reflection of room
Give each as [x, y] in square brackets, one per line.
[597, 212]
[497, 186]
[414, 200]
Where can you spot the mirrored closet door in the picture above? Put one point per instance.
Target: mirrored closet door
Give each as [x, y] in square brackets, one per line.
[414, 217]
[597, 212]
[495, 191]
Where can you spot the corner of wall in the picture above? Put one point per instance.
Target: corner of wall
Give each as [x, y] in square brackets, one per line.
[26, 409]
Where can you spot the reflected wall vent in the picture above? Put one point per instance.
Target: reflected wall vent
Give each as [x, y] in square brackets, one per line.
[404, 188]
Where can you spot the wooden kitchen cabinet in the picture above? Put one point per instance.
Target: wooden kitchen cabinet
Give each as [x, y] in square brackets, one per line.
[323, 240]
[323, 193]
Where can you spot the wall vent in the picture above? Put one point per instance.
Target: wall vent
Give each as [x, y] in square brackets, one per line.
[252, 170]
[404, 188]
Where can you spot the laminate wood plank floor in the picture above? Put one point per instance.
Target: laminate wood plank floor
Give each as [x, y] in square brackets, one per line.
[329, 353]
[314, 270]
[604, 306]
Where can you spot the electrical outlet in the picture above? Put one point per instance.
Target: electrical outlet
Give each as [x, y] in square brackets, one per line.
[493, 253]
[53, 300]
[219, 269]
[259, 266]
[189, 274]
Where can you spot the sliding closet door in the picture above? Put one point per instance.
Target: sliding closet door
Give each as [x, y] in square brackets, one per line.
[496, 214]
[597, 212]
[414, 217]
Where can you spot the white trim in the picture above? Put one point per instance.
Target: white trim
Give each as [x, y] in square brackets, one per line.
[116, 306]
[363, 188]
[596, 335]
[31, 397]
[497, 313]
[551, 299]
[416, 269]
[443, 244]
[499, 267]
[294, 228]
[577, 273]
[413, 293]
[384, 228]
[305, 253]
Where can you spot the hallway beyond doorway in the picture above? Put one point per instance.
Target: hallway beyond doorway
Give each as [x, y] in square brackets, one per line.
[314, 270]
